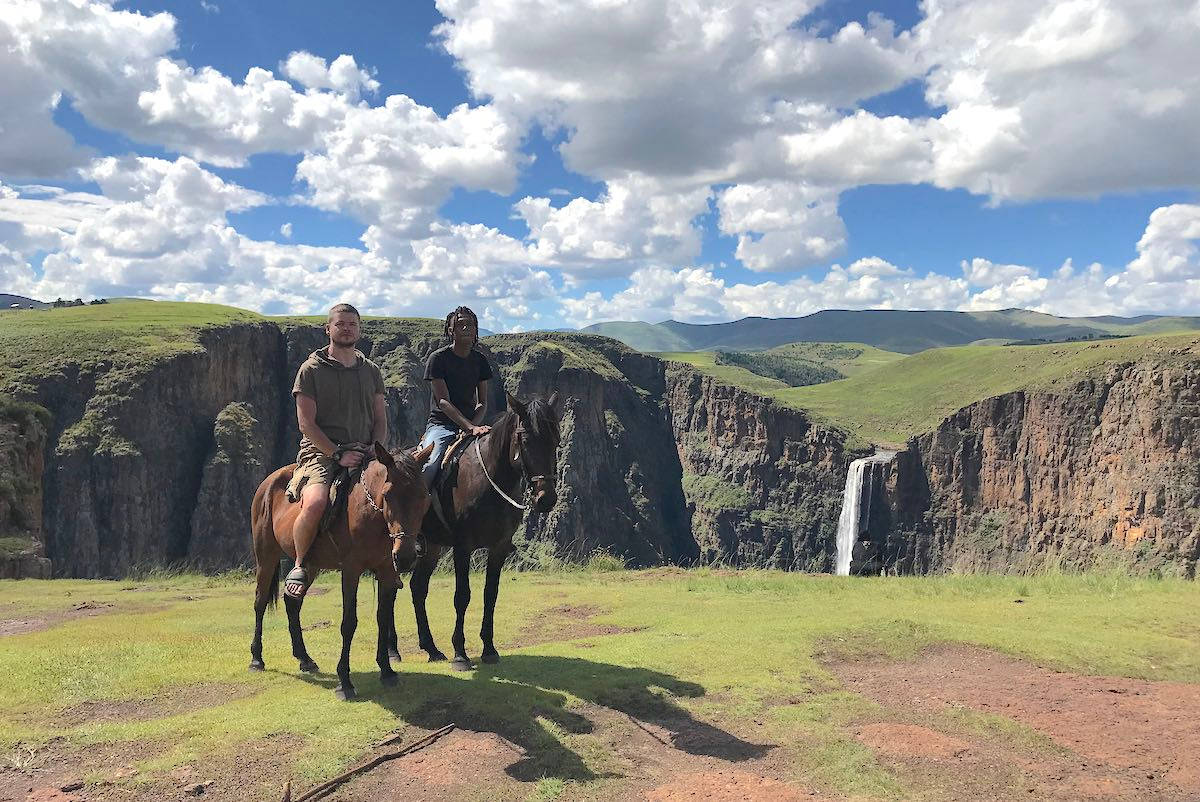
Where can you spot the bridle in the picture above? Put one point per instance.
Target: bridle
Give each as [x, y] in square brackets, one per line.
[400, 534]
[527, 473]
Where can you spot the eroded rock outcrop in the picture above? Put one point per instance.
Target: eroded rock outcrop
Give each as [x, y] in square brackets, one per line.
[241, 455]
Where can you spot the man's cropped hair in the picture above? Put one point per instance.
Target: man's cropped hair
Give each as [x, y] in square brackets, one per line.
[342, 308]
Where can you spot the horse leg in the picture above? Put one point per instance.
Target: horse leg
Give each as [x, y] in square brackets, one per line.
[345, 689]
[293, 605]
[264, 594]
[393, 641]
[491, 590]
[385, 620]
[418, 586]
[462, 600]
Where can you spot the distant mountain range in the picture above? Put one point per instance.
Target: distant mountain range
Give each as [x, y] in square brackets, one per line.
[893, 330]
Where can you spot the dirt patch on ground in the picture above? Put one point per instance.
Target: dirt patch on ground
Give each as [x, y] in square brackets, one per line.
[54, 772]
[671, 759]
[19, 625]
[909, 740]
[171, 703]
[729, 785]
[255, 770]
[564, 622]
[1127, 739]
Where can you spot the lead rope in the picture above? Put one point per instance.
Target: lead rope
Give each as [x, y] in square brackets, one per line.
[495, 486]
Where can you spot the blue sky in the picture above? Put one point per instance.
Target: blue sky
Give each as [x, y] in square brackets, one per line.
[557, 164]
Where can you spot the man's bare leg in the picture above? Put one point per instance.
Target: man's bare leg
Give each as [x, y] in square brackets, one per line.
[304, 531]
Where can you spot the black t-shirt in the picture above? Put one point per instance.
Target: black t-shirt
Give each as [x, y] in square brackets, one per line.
[462, 376]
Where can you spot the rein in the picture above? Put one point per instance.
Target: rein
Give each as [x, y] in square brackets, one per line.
[525, 473]
[492, 481]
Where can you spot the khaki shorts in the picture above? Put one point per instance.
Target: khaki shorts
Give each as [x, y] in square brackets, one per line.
[311, 466]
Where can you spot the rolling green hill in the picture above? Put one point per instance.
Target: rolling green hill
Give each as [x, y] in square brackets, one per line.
[894, 330]
[768, 371]
[894, 402]
[849, 359]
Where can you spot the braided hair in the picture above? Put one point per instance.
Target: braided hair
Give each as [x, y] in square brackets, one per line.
[462, 311]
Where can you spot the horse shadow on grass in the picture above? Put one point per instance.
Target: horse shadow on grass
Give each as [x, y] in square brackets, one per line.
[523, 696]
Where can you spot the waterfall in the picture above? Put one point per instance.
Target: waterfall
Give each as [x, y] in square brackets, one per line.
[850, 519]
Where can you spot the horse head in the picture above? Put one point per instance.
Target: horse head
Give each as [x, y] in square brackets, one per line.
[535, 445]
[403, 501]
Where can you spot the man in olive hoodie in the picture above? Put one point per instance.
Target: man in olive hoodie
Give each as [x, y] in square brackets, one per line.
[341, 411]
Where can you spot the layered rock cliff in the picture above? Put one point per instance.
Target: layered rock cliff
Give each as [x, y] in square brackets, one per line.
[763, 483]
[1107, 469]
[153, 464]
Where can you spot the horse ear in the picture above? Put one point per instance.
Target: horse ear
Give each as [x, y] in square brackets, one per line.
[422, 456]
[383, 456]
[514, 404]
[557, 402]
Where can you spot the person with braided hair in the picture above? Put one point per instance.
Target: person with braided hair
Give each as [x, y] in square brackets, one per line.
[458, 379]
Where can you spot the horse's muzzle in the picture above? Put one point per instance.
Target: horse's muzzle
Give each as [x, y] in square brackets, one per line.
[545, 498]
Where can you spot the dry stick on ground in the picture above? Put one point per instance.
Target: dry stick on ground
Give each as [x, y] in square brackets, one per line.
[324, 788]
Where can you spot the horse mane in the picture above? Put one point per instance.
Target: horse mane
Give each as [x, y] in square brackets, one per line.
[405, 464]
[541, 419]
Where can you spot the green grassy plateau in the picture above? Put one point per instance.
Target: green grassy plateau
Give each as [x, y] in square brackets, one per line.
[913, 395]
[122, 335]
[156, 669]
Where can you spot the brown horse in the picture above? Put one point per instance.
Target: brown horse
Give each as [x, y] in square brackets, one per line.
[522, 448]
[377, 534]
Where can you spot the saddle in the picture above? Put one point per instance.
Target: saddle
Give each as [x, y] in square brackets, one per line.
[339, 495]
[447, 479]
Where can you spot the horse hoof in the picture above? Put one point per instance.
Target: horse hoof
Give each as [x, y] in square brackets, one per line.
[491, 657]
[389, 680]
[257, 665]
[436, 657]
[394, 655]
[345, 693]
[309, 666]
[462, 664]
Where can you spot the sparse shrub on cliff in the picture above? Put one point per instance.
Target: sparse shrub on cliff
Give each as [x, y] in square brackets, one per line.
[715, 493]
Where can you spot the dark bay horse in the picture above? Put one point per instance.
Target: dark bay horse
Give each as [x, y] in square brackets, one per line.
[378, 533]
[521, 448]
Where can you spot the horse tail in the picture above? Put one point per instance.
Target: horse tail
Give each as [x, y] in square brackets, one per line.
[273, 593]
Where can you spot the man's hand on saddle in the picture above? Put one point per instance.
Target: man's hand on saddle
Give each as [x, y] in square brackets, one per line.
[480, 431]
[353, 455]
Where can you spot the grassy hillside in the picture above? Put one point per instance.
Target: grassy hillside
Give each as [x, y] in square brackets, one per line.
[759, 372]
[893, 330]
[47, 342]
[705, 362]
[910, 396]
[849, 359]
[610, 683]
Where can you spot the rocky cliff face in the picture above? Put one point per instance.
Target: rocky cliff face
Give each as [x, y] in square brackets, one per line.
[154, 464]
[125, 475]
[1107, 469]
[763, 483]
[23, 429]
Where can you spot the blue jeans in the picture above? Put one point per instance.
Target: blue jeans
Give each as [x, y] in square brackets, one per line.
[441, 436]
